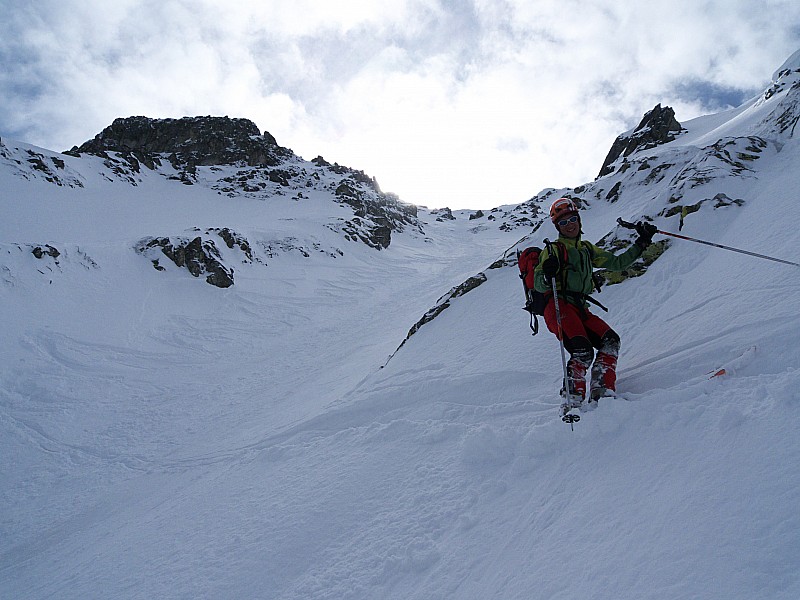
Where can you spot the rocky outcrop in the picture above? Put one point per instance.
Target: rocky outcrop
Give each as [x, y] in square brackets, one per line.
[200, 257]
[443, 214]
[375, 236]
[233, 239]
[187, 142]
[782, 121]
[29, 263]
[658, 126]
[28, 164]
[48, 250]
[376, 214]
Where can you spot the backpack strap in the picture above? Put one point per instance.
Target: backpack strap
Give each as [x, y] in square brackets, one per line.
[534, 324]
[580, 297]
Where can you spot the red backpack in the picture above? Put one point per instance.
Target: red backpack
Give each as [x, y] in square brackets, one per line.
[534, 301]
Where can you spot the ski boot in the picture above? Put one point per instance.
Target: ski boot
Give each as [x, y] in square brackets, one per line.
[596, 394]
[570, 406]
[604, 370]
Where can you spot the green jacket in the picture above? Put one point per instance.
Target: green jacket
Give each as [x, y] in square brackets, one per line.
[582, 258]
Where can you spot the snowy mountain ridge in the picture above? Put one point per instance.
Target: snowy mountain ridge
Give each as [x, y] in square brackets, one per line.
[167, 438]
[229, 157]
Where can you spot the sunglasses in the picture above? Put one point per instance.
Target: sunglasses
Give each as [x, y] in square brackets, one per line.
[568, 220]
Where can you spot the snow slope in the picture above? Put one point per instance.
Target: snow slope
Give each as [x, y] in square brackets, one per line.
[165, 438]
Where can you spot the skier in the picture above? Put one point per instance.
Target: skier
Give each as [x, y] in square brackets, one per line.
[582, 331]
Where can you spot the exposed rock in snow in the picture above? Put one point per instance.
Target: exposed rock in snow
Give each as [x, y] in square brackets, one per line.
[198, 256]
[658, 126]
[189, 141]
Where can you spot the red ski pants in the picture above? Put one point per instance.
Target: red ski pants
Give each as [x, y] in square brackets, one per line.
[582, 333]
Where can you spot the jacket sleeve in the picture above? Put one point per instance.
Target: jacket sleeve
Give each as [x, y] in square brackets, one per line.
[603, 259]
[539, 282]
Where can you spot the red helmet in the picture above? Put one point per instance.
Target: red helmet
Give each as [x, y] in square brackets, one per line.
[561, 208]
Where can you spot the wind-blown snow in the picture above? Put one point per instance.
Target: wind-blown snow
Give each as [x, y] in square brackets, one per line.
[163, 438]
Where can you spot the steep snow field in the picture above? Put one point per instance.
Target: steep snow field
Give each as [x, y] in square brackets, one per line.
[163, 438]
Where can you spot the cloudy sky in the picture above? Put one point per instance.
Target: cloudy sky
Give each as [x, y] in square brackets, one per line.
[460, 103]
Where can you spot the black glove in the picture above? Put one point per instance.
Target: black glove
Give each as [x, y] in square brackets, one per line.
[646, 232]
[550, 268]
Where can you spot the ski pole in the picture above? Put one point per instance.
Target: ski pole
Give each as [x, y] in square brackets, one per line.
[629, 225]
[566, 418]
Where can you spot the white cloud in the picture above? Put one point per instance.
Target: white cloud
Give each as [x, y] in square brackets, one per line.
[458, 102]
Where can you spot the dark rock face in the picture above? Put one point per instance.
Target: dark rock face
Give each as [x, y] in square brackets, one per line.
[50, 168]
[376, 214]
[658, 126]
[48, 250]
[198, 256]
[443, 214]
[374, 236]
[231, 239]
[190, 141]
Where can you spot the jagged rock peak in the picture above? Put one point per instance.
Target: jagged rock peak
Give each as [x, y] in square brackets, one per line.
[658, 126]
[195, 141]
